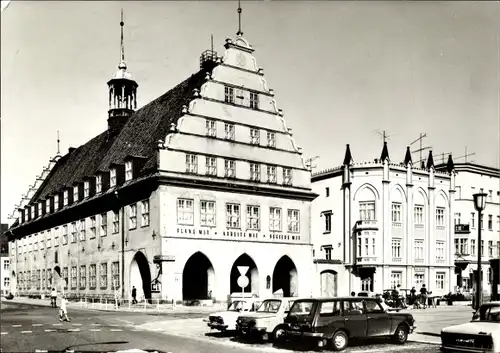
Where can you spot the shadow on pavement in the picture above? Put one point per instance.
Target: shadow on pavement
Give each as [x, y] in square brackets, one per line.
[219, 334]
[429, 334]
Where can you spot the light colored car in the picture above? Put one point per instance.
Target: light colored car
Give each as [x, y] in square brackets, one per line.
[226, 320]
[482, 334]
[267, 321]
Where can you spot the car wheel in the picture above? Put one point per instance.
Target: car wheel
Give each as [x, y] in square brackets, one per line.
[401, 334]
[340, 341]
[278, 333]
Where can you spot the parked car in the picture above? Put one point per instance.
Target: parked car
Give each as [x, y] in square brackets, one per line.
[267, 321]
[482, 334]
[332, 322]
[226, 320]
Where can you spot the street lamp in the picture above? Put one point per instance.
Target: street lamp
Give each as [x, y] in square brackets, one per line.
[479, 204]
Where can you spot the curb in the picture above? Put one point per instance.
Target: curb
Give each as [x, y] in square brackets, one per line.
[423, 341]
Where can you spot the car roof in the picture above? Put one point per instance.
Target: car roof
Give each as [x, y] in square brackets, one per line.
[337, 298]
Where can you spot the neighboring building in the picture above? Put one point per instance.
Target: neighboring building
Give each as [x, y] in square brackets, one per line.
[4, 261]
[473, 178]
[380, 224]
[200, 181]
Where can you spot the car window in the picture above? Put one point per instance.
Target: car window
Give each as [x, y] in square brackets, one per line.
[288, 305]
[373, 307]
[301, 308]
[330, 309]
[255, 305]
[354, 307]
[493, 314]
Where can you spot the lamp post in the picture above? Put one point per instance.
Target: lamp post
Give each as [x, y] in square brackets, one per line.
[479, 204]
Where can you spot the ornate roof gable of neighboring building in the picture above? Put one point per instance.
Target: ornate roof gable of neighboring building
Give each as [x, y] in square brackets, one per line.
[139, 137]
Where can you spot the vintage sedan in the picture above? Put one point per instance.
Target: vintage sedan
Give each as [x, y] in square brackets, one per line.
[226, 320]
[267, 321]
[332, 322]
[482, 334]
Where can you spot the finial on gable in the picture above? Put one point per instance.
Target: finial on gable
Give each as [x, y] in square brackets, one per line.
[385, 153]
[408, 159]
[430, 161]
[450, 166]
[348, 157]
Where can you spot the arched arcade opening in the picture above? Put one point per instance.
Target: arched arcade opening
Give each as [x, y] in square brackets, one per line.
[328, 283]
[285, 277]
[198, 278]
[252, 274]
[140, 276]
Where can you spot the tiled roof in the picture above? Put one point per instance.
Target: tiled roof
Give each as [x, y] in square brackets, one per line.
[139, 137]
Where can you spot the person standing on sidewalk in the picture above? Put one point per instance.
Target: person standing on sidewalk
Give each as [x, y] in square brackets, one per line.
[134, 295]
[53, 297]
[423, 296]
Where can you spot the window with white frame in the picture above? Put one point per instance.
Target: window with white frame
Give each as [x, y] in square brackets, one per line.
[328, 221]
[47, 205]
[103, 275]
[233, 215]
[490, 222]
[104, 224]
[490, 248]
[98, 183]
[75, 193]
[229, 131]
[440, 216]
[73, 232]
[254, 100]
[191, 163]
[112, 177]
[82, 230]
[396, 248]
[228, 94]
[275, 219]
[457, 218]
[328, 252]
[254, 172]
[32, 212]
[207, 213]
[396, 213]
[132, 216]
[128, 170]
[473, 247]
[253, 217]
[86, 188]
[211, 129]
[419, 250]
[254, 136]
[271, 174]
[144, 213]
[92, 276]
[293, 221]
[462, 246]
[396, 278]
[271, 139]
[229, 168]
[56, 235]
[83, 276]
[481, 223]
[211, 166]
[439, 250]
[287, 176]
[49, 236]
[56, 202]
[418, 279]
[92, 227]
[66, 199]
[115, 275]
[6, 265]
[473, 220]
[74, 277]
[185, 212]
[116, 222]
[367, 210]
[482, 248]
[440, 280]
[418, 214]
[6, 282]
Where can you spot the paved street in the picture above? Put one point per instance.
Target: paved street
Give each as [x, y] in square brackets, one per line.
[27, 327]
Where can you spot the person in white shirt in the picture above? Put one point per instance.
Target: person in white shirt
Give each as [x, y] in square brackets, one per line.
[53, 297]
[63, 310]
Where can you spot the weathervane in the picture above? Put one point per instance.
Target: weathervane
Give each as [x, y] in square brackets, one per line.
[239, 33]
[122, 48]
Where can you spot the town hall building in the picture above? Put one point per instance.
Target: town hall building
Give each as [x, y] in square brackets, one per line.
[173, 197]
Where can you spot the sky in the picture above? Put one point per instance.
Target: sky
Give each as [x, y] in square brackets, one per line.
[342, 72]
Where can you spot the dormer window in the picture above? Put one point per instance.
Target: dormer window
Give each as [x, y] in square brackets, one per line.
[98, 184]
[86, 189]
[75, 193]
[56, 202]
[128, 170]
[66, 198]
[112, 177]
[32, 212]
[47, 205]
[40, 209]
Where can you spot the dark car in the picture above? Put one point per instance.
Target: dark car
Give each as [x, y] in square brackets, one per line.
[333, 321]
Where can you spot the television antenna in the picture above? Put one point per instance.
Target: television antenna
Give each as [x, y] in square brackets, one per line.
[466, 155]
[384, 135]
[309, 162]
[421, 148]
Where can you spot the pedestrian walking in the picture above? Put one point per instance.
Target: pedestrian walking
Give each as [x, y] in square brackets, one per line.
[63, 310]
[423, 296]
[134, 295]
[53, 297]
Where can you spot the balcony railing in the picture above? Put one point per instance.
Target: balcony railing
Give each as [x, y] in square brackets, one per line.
[462, 228]
[419, 261]
[397, 259]
[366, 259]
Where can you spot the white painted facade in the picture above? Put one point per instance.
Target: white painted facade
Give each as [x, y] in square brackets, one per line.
[5, 270]
[385, 229]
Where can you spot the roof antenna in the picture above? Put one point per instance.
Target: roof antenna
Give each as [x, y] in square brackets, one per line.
[58, 152]
[239, 33]
[212, 43]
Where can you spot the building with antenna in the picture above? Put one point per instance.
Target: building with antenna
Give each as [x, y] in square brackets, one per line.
[208, 168]
[380, 224]
[472, 178]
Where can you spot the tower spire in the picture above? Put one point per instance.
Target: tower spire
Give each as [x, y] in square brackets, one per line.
[122, 64]
[58, 151]
[239, 33]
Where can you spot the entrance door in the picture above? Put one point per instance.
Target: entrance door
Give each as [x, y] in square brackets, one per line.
[328, 283]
